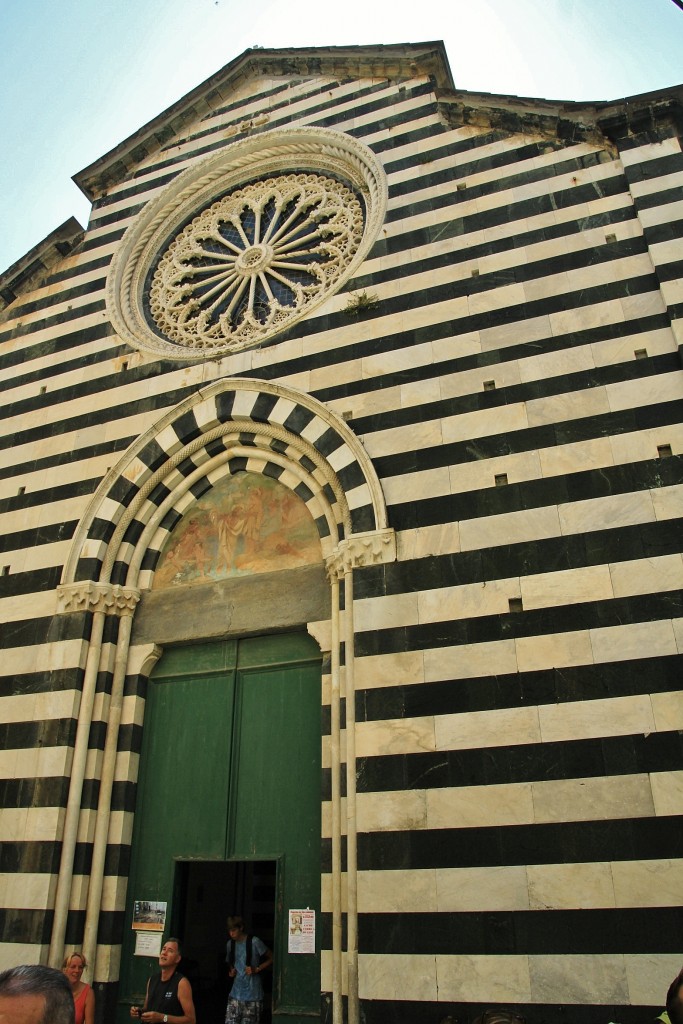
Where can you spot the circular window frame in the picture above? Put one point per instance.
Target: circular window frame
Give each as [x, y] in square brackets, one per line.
[281, 151]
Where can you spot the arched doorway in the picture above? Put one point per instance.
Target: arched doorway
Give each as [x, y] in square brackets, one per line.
[229, 428]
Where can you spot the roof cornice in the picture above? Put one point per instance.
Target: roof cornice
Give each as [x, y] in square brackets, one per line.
[602, 123]
[32, 269]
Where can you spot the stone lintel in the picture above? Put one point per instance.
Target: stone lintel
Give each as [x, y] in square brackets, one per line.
[249, 605]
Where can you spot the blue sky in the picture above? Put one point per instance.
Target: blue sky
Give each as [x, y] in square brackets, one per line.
[79, 76]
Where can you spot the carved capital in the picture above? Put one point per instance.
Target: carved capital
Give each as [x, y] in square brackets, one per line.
[97, 597]
[361, 549]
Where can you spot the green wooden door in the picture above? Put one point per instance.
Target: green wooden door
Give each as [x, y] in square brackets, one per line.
[230, 770]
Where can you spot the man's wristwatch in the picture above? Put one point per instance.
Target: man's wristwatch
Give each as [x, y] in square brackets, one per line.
[165, 1018]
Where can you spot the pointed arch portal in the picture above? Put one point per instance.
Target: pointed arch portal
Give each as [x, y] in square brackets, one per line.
[229, 427]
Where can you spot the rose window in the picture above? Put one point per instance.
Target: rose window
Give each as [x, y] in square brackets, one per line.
[245, 264]
[245, 243]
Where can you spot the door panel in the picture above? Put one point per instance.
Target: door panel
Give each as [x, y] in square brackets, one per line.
[184, 808]
[277, 807]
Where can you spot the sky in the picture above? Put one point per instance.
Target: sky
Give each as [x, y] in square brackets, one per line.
[79, 76]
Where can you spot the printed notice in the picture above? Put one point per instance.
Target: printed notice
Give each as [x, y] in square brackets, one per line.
[148, 943]
[301, 931]
[149, 916]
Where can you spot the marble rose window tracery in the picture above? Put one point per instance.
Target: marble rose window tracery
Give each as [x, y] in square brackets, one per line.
[245, 264]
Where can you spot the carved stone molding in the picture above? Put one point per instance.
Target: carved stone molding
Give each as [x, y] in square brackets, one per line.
[208, 268]
[203, 406]
[361, 549]
[97, 597]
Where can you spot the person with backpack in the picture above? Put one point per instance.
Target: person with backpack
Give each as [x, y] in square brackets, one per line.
[247, 957]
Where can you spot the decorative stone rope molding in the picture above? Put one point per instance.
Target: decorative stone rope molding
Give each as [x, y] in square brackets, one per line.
[97, 597]
[253, 238]
[362, 549]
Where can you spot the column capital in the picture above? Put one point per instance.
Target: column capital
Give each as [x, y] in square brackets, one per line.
[361, 549]
[97, 597]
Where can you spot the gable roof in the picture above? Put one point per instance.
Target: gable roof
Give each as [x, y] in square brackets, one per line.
[399, 61]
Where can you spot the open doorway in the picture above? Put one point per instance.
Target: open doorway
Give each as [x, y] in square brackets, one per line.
[207, 893]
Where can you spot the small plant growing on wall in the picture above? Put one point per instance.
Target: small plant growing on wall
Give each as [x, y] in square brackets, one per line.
[360, 302]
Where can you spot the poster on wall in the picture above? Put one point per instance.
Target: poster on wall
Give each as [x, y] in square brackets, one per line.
[149, 916]
[148, 943]
[301, 931]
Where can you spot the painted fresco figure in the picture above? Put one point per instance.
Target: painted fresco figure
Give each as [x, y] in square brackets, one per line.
[245, 1002]
[84, 997]
[229, 526]
[253, 521]
[169, 993]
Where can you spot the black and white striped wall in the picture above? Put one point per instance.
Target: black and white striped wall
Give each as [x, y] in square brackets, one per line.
[516, 383]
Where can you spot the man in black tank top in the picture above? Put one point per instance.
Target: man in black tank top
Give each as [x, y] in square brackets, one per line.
[169, 993]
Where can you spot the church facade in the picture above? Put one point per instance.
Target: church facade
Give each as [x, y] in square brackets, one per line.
[341, 535]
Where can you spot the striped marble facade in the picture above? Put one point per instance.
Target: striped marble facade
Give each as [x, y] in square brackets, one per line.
[514, 384]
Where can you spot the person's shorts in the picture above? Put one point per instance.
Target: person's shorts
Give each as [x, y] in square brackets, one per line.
[238, 1012]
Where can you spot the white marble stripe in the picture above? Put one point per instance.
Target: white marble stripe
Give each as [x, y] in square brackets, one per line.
[131, 206]
[43, 658]
[663, 214]
[639, 979]
[27, 891]
[515, 169]
[545, 463]
[26, 606]
[502, 657]
[271, 355]
[54, 289]
[648, 151]
[298, 95]
[31, 824]
[14, 953]
[297, 111]
[37, 707]
[554, 723]
[59, 309]
[514, 803]
[652, 186]
[541, 590]
[590, 174]
[26, 343]
[46, 556]
[471, 157]
[83, 406]
[584, 886]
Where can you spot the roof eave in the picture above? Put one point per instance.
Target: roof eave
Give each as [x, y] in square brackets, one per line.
[601, 122]
[30, 270]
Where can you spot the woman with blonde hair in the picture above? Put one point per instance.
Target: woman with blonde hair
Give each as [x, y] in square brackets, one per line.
[84, 998]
